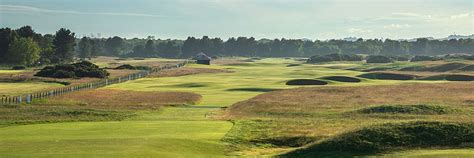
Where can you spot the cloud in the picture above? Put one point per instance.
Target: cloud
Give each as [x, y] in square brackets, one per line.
[460, 16]
[28, 9]
[358, 30]
[408, 15]
[396, 26]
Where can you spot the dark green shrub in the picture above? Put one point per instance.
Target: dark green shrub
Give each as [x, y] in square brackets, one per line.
[400, 58]
[320, 59]
[334, 57]
[18, 67]
[352, 57]
[424, 58]
[76, 70]
[126, 66]
[378, 59]
[306, 82]
[63, 74]
[143, 68]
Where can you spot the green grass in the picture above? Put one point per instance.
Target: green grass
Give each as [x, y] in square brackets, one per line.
[192, 131]
[434, 153]
[152, 134]
[219, 89]
[10, 89]
[11, 71]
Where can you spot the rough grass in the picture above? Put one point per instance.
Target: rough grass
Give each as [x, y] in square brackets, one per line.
[407, 109]
[304, 82]
[324, 112]
[449, 77]
[387, 76]
[20, 115]
[122, 99]
[342, 79]
[448, 67]
[12, 88]
[393, 136]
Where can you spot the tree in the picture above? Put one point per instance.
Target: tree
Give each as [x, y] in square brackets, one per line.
[97, 47]
[23, 51]
[85, 48]
[26, 32]
[114, 46]
[150, 50]
[63, 44]
[6, 37]
[327, 49]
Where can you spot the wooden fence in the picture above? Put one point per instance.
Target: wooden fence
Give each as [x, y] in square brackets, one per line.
[28, 98]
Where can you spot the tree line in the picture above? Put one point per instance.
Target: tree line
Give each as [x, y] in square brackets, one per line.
[23, 46]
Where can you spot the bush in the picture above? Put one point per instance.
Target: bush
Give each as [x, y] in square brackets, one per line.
[400, 58]
[126, 66]
[352, 57]
[320, 59]
[334, 57]
[76, 70]
[19, 67]
[424, 58]
[142, 68]
[378, 59]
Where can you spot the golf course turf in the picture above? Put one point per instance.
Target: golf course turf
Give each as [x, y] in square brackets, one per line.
[246, 109]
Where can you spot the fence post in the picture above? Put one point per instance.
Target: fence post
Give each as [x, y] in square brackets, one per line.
[19, 99]
[28, 98]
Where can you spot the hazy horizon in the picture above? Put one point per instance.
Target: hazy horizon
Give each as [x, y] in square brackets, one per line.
[178, 19]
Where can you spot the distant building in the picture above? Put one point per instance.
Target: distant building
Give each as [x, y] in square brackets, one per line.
[202, 58]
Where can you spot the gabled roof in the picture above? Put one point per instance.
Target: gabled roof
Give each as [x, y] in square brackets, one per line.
[202, 56]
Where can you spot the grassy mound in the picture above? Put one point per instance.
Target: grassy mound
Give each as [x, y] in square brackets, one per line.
[305, 82]
[407, 109]
[252, 89]
[393, 136]
[446, 67]
[342, 79]
[441, 68]
[449, 78]
[387, 76]
[459, 78]
[296, 141]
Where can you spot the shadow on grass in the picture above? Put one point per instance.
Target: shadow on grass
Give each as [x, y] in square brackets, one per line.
[253, 89]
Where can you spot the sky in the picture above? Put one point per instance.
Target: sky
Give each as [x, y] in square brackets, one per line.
[293, 19]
